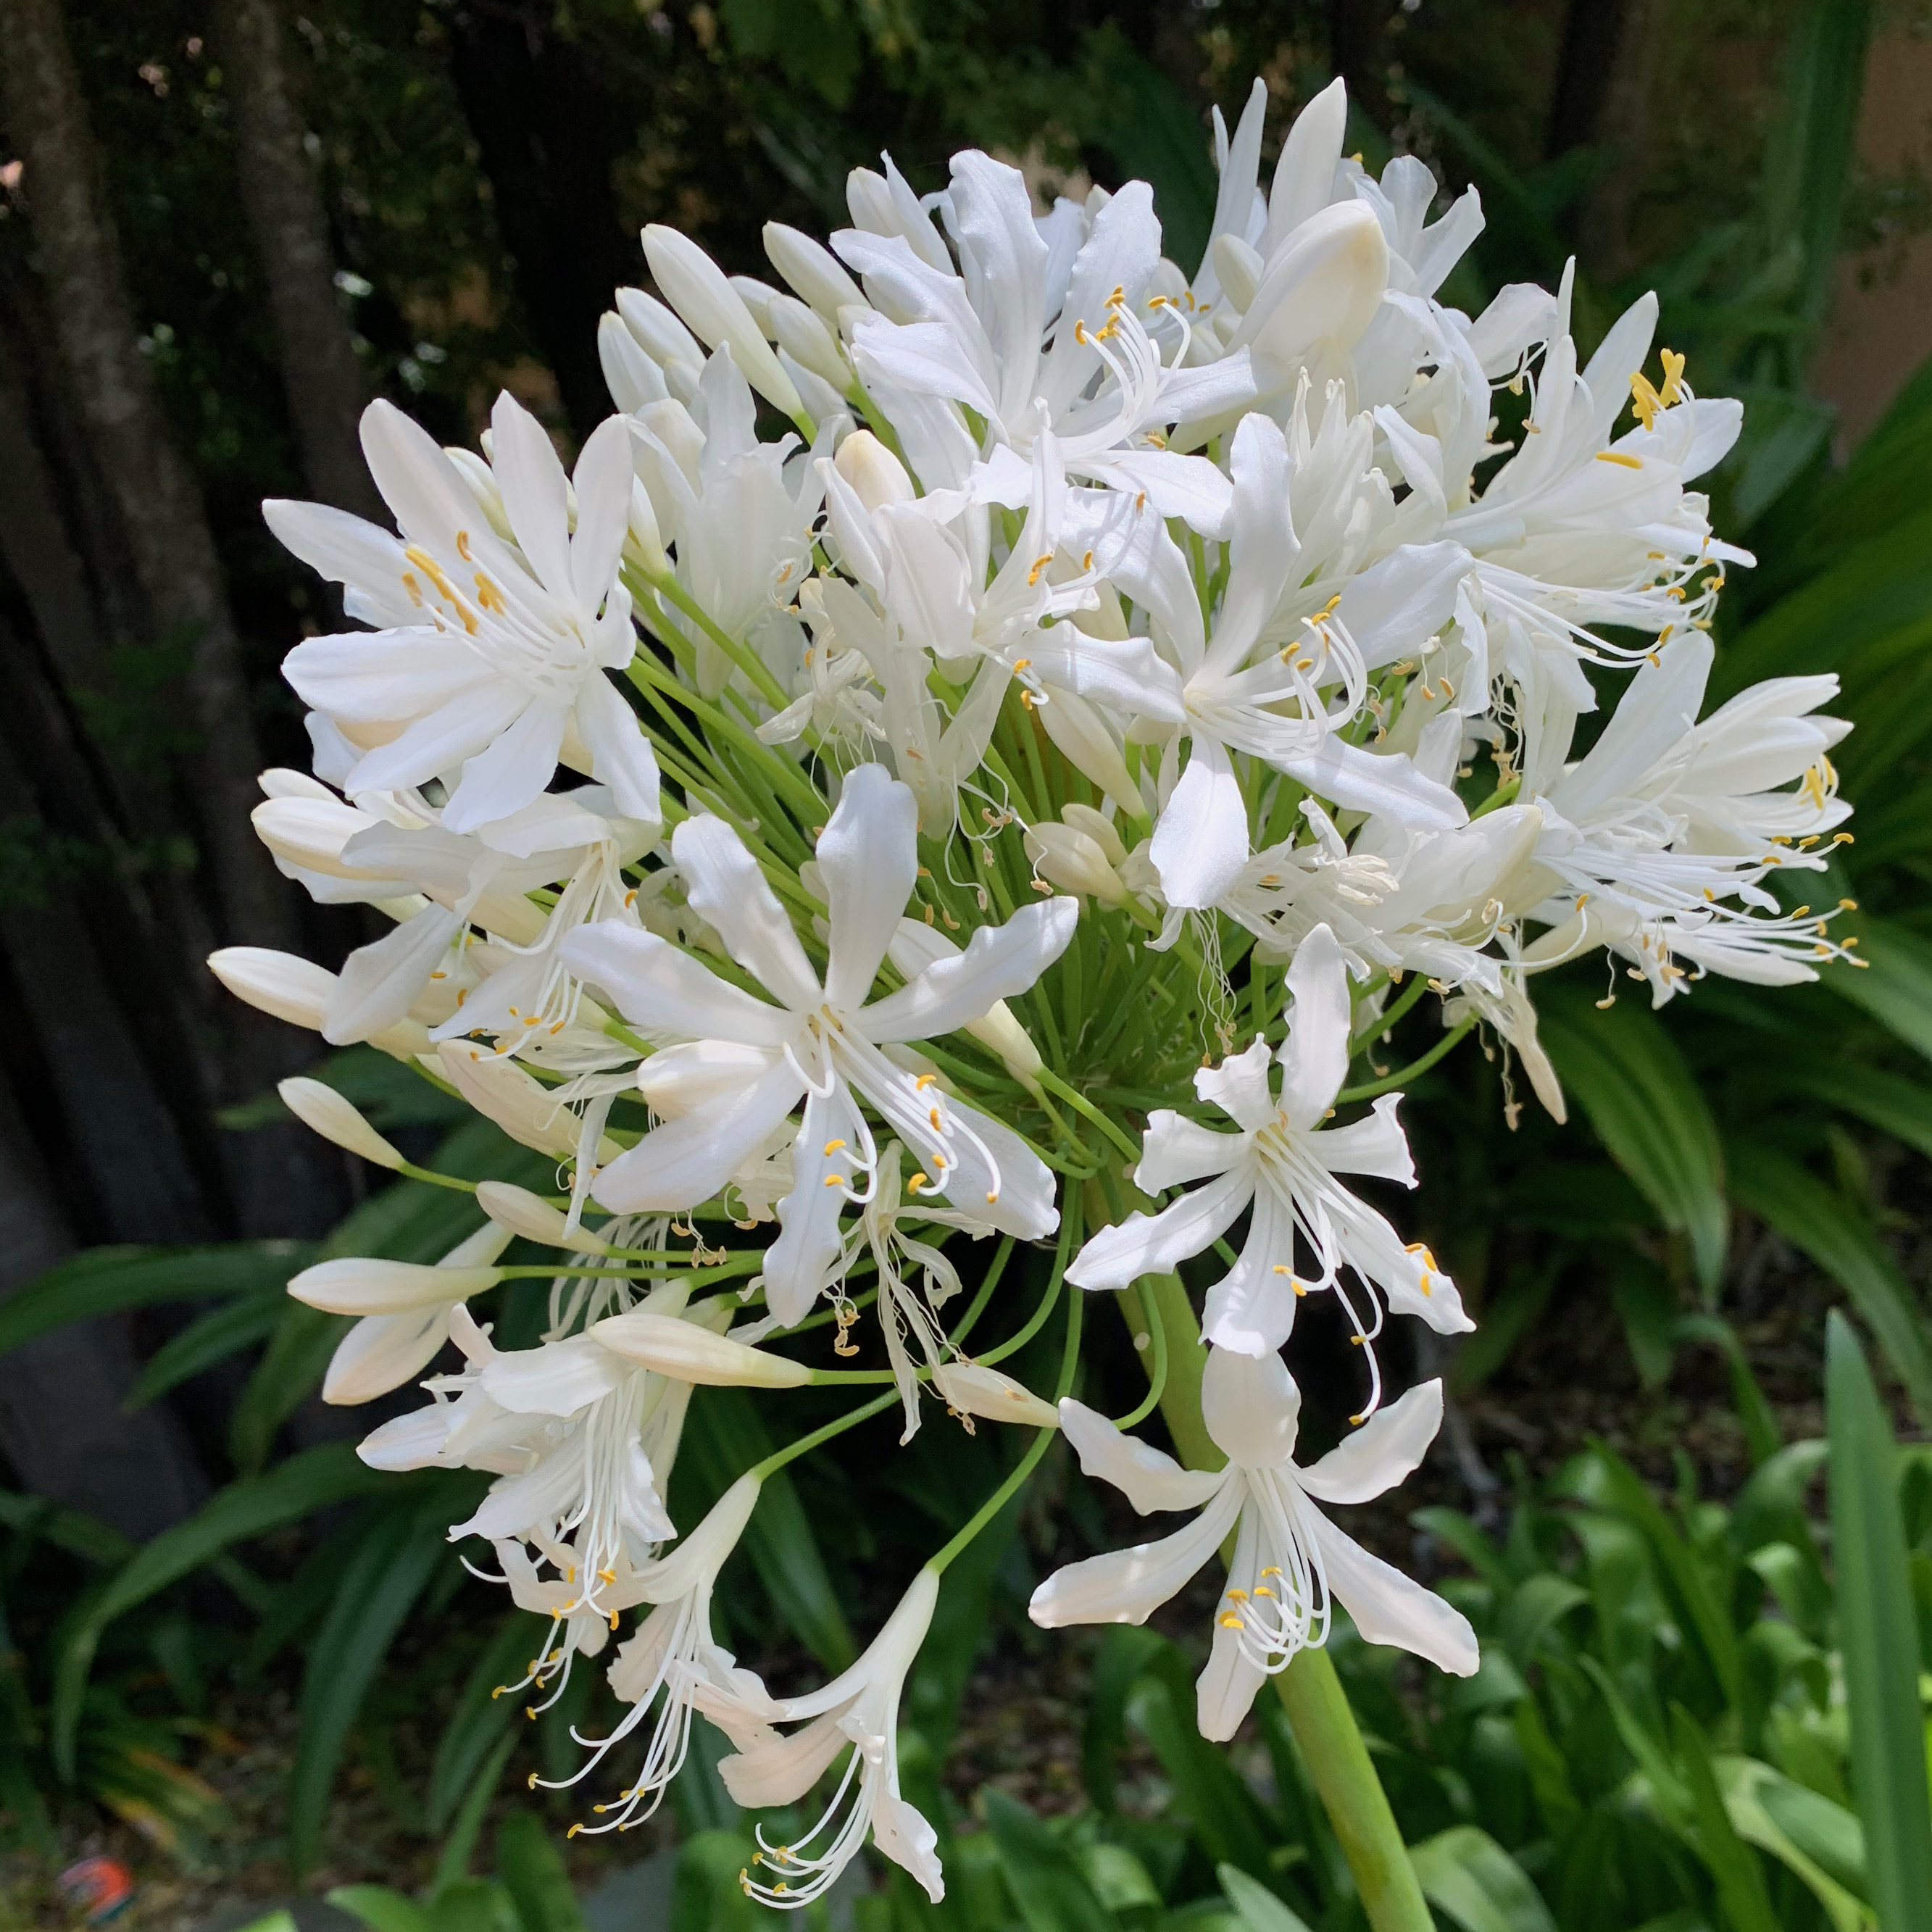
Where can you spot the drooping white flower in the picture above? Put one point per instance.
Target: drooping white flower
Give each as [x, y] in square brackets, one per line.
[751, 1062]
[489, 665]
[858, 1711]
[667, 1661]
[1284, 1165]
[1291, 1565]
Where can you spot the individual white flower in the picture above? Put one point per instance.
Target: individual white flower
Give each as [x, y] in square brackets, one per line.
[406, 1311]
[671, 1655]
[751, 1062]
[1650, 836]
[858, 1711]
[1283, 1166]
[489, 664]
[1291, 1565]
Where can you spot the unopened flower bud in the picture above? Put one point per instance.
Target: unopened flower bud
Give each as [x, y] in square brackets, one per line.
[974, 1389]
[522, 1213]
[282, 984]
[645, 542]
[716, 313]
[659, 333]
[360, 1285]
[687, 1353]
[1070, 858]
[877, 476]
[813, 270]
[1099, 827]
[337, 1119]
[804, 336]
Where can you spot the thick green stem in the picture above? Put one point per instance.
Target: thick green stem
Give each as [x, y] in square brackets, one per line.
[1311, 1693]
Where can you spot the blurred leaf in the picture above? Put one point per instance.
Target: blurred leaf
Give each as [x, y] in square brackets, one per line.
[705, 1895]
[1260, 1910]
[1888, 1101]
[1464, 1872]
[290, 1371]
[533, 1873]
[481, 1716]
[452, 1860]
[1740, 1887]
[1822, 1842]
[1047, 1885]
[1142, 117]
[1880, 1639]
[1126, 1650]
[211, 1338]
[1650, 1114]
[724, 1435]
[380, 1908]
[1534, 1610]
[305, 1483]
[104, 1281]
[389, 1569]
[1813, 1218]
[1894, 985]
[72, 1530]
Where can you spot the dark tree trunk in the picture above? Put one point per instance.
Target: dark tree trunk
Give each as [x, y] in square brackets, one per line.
[1358, 52]
[1604, 93]
[171, 549]
[543, 135]
[288, 226]
[62, 1426]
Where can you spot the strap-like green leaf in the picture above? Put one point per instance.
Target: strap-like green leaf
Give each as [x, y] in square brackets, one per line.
[1894, 985]
[1740, 1886]
[1811, 1217]
[528, 1864]
[105, 1281]
[1465, 1873]
[1047, 1886]
[1259, 1908]
[1650, 1114]
[1879, 1639]
[305, 1483]
[481, 1716]
[209, 1338]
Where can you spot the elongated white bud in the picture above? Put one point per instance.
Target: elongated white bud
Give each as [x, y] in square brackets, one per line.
[1070, 858]
[687, 1353]
[297, 990]
[360, 1285]
[629, 374]
[799, 331]
[644, 541]
[877, 476]
[716, 313]
[522, 1213]
[814, 270]
[977, 1391]
[659, 333]
[337, 1119]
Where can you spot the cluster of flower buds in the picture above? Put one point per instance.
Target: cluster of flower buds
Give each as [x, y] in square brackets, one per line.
[838, 849]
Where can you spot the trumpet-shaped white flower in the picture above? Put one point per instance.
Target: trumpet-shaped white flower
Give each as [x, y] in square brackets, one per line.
[751, 1062]
[489, 664]
[1291, 1565]
[1282, 1165]
[671, 1656]
[858, 1711]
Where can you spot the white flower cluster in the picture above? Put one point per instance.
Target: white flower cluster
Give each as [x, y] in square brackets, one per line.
[1109, 652]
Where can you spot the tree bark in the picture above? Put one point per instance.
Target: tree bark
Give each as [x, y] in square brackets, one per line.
[172, 549]
[62, 1426]
[288, 226]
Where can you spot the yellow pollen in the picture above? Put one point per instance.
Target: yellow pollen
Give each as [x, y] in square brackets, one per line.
[1039, 568]
[992, 1194]
[924, 1081]
[414, 588]
[1237, 1596]
[487, 594]
[832, 1147]
[1620, 459]
[917, 1181]
[835, 1181]
[1232, 1622]
[934, 1117]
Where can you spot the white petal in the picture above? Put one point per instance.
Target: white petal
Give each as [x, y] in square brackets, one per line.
[799, 1263]
[726, 888]
[621, 756]
[1149, 1479]
[441, 739]
[1382, 782]
[378, 983]
[1376, 1145]
[676, 1080]
[1381, 1454]
[512, 772]
[602, 482]
[345, 550]
[1000, 961]
[1391, 1608]
[900, 1831]
[1155, 1244]
[1315, 1056]
[1239, 1087]
[676, 1166]
[536, 497]
[1201, 842]
[1250, 1310]
[1127, 1586]
[1175, 1151]
[1251, 1408]
[868, 858]
[360, 679]
[420, 485]
[651, 983]
[558, 1378]
[382, 1351]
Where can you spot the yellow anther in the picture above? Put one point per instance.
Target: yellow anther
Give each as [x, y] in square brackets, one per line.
[1232, 1622]
[937, 1118]
[832, 1147]
[835, 1181]
[414, 588]
[1282, 1267]
[992, 1195]
[463, 546]
[917, 1181]
[608, 1575]
[1620, 458]
[924, 1081]
[488, 596]
[1356, 1341]
[1039, 568]
[1237, 1596]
